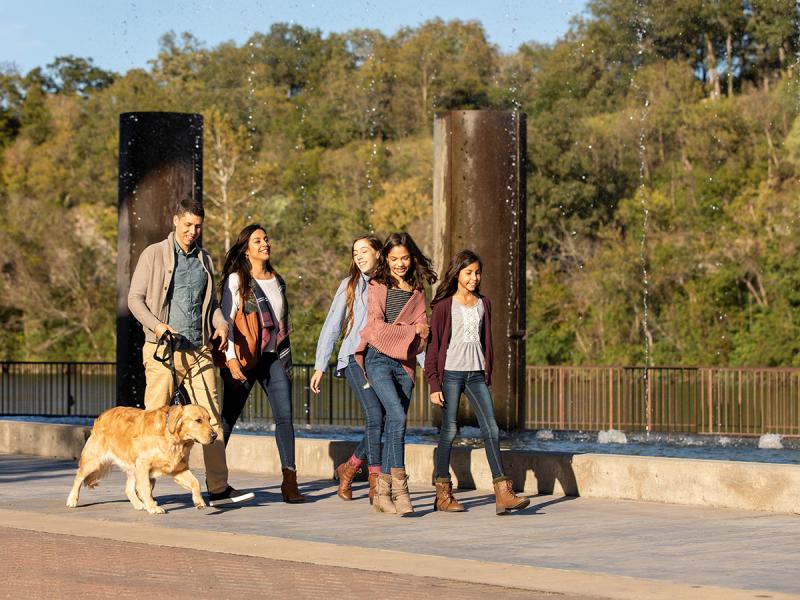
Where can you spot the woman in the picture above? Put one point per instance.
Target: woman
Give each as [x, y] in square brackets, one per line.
[254, 304]
[459, 360]
[395, 333]
[349, 312]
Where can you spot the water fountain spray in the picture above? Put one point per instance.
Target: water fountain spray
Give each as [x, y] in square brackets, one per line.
[641, 22]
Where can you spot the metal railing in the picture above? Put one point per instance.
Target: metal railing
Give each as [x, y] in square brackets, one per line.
[87, 389]
[57, 388]
[712, 400]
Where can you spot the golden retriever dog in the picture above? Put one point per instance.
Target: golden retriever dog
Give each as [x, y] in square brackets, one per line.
[146, 445]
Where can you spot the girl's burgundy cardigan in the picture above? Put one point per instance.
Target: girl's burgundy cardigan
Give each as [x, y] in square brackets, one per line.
[441, 328]
[398, 340]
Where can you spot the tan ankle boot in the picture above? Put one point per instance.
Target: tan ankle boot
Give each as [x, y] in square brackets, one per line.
[345, 473]
[400, 495]
[383, 495]
[445, 501]
[373, 481]
[505, 499]
[289, 489]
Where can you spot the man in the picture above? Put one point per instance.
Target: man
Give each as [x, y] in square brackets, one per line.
[172, 289]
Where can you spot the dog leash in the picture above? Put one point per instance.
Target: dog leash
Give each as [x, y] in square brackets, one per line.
[168, 359]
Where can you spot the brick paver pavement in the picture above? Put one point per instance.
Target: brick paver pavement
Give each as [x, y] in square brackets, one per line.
[574, 546]
[45, 565]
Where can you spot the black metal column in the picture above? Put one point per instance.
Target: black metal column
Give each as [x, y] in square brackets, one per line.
[160, 160]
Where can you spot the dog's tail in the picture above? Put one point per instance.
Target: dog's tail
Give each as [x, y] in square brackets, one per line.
[93, 478]
[94, 465]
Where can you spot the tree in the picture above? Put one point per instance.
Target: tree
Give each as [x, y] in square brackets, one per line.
[441, 66]
[11, 98]
[74, 75]
[772, 26]
[233, 180]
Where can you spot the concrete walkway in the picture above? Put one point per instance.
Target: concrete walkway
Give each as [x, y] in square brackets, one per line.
[575, 547]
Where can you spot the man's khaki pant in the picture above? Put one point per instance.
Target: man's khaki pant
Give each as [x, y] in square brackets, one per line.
[195, 370]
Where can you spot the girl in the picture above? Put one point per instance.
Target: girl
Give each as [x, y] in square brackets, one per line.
[395, 333]
[458, 360]
[254, 304]
[349, 311]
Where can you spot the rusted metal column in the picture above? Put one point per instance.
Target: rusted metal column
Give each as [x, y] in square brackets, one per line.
[479, 195]
[160, 160]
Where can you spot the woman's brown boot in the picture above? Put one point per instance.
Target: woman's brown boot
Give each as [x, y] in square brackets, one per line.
[345, 473]
[289, 487]
[383, 495]
[373, 481]
[445, 501]
[505, 498]
[400, 495]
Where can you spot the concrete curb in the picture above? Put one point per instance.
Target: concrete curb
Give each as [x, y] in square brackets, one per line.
[719, 484]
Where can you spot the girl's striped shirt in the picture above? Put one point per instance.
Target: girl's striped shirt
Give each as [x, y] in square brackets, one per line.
[396, 299]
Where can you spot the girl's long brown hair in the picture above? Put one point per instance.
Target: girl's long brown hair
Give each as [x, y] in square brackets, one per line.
[355, 276]
[449, 283]
[237, 262]
[420, 270]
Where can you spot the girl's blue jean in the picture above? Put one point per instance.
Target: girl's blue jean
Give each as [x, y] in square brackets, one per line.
[473, 384]
[393, 387]
[271, 375]
[369, 448]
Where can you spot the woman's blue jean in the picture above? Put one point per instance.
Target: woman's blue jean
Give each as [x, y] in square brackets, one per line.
[473, 384]
[393, 387]
[271, 375]
[369, 448]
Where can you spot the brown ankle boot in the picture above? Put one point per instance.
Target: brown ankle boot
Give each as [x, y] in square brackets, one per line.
[289, 488]
[383, 495]
[445, 501]
[505, 498]
[373, 481]
[345, 473]
[400, 495]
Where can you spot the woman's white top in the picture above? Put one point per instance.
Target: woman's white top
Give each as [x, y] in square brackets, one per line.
[464, 353]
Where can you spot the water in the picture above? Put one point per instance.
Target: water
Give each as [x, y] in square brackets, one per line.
[640, 22]
[705, 447]
[660, 445]
[770, 441]
[612, 436]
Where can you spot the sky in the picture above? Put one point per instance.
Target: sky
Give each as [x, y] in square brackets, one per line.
[123, 34]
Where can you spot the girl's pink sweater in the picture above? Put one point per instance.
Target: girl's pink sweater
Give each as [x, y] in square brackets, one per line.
[398, 340]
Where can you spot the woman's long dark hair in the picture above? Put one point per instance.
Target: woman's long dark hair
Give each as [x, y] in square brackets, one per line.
[355, 276]
[419, 272]
[449, 283]
[237, 262]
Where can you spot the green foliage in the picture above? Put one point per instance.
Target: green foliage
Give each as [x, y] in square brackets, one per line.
[74, 75]
[663, 174]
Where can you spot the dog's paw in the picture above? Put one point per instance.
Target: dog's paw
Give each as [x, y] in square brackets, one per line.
[71, 502]
[200, 505]
[156, 510]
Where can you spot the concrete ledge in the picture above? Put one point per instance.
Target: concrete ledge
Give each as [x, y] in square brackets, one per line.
[42, 439]
[721, 484]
